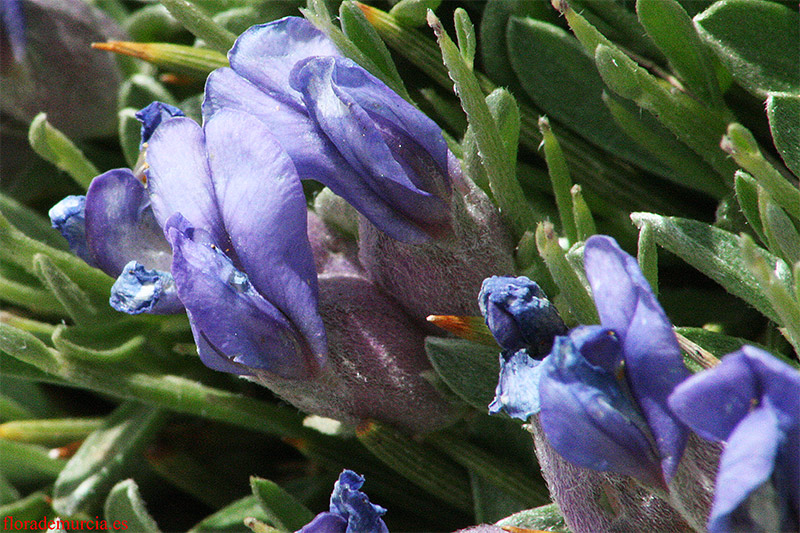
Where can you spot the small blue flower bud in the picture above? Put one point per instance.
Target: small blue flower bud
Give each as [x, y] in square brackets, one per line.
[519, 315]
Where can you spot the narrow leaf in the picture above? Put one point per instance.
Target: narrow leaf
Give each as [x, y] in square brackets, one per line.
[28, 463]
[49, 432]
[572, 287]
[648, 256]
[419, 463]
[670, 27]
[781, 299]
[200, 24]
[55, 147]
[716, 253]
[465, 36]
[69, 294]
[563, 81]
[124, 504]
[504, 474]
[413, 12]
[559, 177]
[356, 27]
[781, 233]
[546, 518]
[747, 195]
[740, 143]
[502, 179]
[584, 221]
[178, 58]
[688, 168]
[231, 517]
[282, 509]
[103, 457]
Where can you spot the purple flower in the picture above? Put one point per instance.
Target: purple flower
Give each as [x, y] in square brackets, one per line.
[751, 401]
[519, 315]
[340, 126]
[114, 229]
[350, 510]
[234, 212]
[650, 351]
[602, 392]
[585, 412]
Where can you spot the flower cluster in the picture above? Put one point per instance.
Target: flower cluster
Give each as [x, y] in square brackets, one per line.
[616, 398]
[213, 221]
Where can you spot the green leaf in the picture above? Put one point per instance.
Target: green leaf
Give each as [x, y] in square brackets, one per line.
[103, 458]
[546, 518]
[19, 249]
[716, 253]
[317, 14]
[33, 507]
[130, 133]
[27, 348]
[502, 473]
[584, 221]
[420, 463]
[31, 223]
[177, 393]
[55, 147]
[559, 177]
[699, 127]
[717, 344]
[571, 285]
[28, 463]
[49, 432]
[781, 233]
[8, 493]
[619, 23]
[92, 347]
[502, 177]
[648, 256]
[413, 12]
[776, 290]
[282, 509]
[491, 503]
[72, 297]
[124, 504]
[140, 90]
[688, 168]
[505, 112]
[740, 143]
[747, 195]
[178, 58]
[36, 299]
[230, 519]
[356, 27]
[757, 41]
[469, 369]
[197, 21]
[696, 125]
[783, 111]
[562, 79]
[671, 29]
[465, 35]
